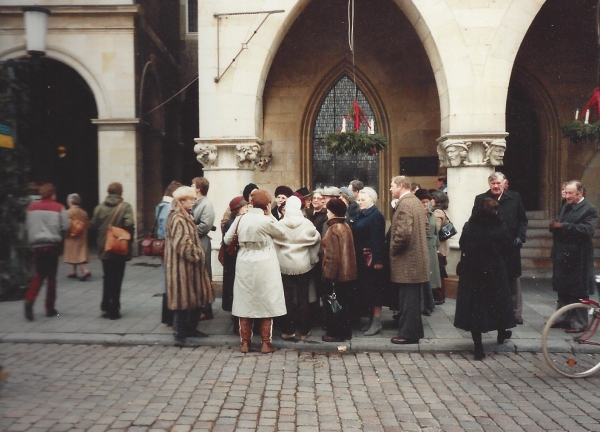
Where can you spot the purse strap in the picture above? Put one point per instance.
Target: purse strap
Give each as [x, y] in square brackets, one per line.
[115, 213]
[449, 221]
[236, 228]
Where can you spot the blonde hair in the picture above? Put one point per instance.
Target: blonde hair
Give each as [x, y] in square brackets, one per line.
[183, 192]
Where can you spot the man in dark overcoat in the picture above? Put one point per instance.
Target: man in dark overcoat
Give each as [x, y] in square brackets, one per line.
[512, 213]
[573, 254]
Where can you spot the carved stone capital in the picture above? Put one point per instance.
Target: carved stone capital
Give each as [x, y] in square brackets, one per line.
[206, 154]
[248, 155]
[485, 149]
[264, 162]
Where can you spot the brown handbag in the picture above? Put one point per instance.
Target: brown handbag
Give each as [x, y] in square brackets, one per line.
[77, 227]
[234, 247]
[117, 239]
[152, 246]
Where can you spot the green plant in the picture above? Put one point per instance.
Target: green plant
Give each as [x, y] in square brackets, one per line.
[354, 142]
[578, 131]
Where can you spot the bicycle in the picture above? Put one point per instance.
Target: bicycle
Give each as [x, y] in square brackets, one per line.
[574, 354]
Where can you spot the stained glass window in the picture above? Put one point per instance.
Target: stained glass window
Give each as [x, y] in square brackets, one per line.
[192, 16]
[335, 170]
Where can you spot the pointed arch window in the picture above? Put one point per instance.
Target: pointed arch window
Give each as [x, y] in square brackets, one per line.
[335, 170]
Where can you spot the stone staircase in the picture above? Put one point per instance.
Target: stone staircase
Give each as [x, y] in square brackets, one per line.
[535, 255]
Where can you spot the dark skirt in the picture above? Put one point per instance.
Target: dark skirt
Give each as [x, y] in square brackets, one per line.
[339, 324]
[228, 280]
[371, 283]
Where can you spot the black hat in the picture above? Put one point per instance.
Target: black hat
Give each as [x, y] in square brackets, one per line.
[249, 188]
[337, 207]
[284, 190]
[304, 192]
[423, 194]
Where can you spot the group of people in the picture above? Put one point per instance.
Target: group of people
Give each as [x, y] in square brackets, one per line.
[49, 224]
[323, 256]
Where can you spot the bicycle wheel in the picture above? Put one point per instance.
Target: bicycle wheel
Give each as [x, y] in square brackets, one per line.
[574, 355]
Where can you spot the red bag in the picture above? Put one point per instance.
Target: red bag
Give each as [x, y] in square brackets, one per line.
[153, 246]
[368, 257]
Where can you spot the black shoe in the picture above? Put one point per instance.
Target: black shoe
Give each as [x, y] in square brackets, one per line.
[53, 313]
[439, 302]
[29, 310]
[85, 276]
[479, 354]
[196, 334]
[115, 316]
[560, 325]
[426, 312]
[327, 338]
[503, 335]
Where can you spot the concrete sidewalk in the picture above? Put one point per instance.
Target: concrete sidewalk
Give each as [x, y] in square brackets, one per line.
[80, 321]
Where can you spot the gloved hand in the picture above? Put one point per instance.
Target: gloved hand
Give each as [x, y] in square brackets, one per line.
[518, 243]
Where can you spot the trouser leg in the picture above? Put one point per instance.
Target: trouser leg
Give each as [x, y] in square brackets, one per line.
[50, 273]
[302, 303]
[410, 325]
[179, 323]
[192, 319]
[289, 290]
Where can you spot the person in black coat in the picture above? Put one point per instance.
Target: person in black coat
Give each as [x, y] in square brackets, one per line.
[512, 213]
[282, 193]
[483, 300]
[573, 254]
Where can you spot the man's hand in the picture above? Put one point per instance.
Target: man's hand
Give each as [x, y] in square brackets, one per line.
[555, 224]
[378, 266]
[518, 243]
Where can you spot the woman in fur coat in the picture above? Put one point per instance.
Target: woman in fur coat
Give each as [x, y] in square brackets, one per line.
[188, 283]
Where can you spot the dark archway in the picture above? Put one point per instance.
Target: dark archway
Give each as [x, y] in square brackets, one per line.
[61, 140]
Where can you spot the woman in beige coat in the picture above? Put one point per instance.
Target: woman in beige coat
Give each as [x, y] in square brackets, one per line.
[188, 283]
[76, 251]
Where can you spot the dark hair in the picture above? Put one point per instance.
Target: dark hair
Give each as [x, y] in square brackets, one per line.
[201, 183]
[115, 188]
[443, 178]
[248, 189]
[47, 190]
[489, 206]
[171, 188]
[357, 185]
[441, 200]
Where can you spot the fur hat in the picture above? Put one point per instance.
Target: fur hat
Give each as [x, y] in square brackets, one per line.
[337, 207]
[331, 191]
[304, 192]
[260, 198]
[249, 188]
[237, 203]
[423, 194]
[284, 190]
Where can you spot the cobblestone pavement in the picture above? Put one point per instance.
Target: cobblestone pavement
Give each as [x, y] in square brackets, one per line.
[54, 387]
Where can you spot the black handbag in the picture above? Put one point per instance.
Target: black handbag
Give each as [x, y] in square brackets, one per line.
[447, 231]
[336, 307]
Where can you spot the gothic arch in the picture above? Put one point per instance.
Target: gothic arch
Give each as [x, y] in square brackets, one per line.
[312, 109]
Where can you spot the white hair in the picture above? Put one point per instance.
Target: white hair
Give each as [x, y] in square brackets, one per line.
[370, 192]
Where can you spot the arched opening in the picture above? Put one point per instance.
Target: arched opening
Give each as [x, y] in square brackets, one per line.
[331, 169]
[61, 140]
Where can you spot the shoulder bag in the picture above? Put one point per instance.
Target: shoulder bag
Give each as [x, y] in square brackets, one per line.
[335, 306]
[447, 231]
[152, 246]
[77, 227]
[234, 247]
[117, 239]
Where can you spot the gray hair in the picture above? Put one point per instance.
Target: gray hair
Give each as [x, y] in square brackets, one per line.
[74, 199]
[496, 175]
[370, 192]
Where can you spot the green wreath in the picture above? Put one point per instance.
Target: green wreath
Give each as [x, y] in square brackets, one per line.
[578, 131]
[354, 142]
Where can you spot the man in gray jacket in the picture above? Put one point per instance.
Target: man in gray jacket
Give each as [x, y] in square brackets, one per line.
[203, 213]
[47, 222]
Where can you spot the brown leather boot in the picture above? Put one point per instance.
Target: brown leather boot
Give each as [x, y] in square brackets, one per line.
[245, 334]
[266, 329]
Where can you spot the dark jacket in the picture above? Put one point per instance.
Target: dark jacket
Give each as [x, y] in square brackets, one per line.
[369, 232]
[573, 250]
[318, 218]
[512, 213]
[337, 249]
[101, 220]
[352, 213]
[483, 301]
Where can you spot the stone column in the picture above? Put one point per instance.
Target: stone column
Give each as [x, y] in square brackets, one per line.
[470, 159]
[229, 165]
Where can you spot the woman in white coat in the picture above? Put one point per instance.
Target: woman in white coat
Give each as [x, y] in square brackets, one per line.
[258, 289]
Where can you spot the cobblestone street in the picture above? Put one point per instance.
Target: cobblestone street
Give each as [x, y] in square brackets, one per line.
[141, 388]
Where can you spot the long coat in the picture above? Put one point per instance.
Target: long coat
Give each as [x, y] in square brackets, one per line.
[337, 251]
[409, 257]
[76, 248]
[258, 289]
[512, 212]
[102, 219]
[204, 218]
[188, 283]
[573, 250]
[483, 301]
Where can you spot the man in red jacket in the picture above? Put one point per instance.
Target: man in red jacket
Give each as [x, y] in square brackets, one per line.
[47, 222]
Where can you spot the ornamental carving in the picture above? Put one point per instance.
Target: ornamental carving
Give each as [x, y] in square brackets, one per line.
[247, 155]
[264, 162]
[206, 154]
[472, 151]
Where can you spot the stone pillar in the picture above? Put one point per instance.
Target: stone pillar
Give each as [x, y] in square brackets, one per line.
[470, 159]
[229, 165]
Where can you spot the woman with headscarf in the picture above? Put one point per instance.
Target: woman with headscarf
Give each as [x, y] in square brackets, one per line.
[76, 251]
[369, 242]
[258, 289]
[188, 283]
[440, 205]
[483, 300]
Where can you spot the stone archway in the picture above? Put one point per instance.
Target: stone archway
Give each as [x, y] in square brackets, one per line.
[61, 139]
